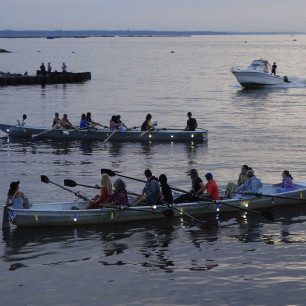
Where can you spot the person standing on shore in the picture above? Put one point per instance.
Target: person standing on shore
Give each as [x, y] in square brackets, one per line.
[64, 68]
[49, 69]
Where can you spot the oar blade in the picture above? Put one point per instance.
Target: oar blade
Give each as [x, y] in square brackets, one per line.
[70, 183]
[33, 136]
[44, 179]
[108, 171]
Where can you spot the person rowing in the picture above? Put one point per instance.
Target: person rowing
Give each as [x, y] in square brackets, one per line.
[15, 198]
[211, 187]
[83, 122]
[123, 126]
[113, 124]
[65, 123]
[56, 121]
[22, 122]
[100, 199]
[191, 123]
[197, 184]
[151, 192]
[119, 197]
[166, 192]
[90, 122]
[286, 184]
[147, 124]
[251, 186]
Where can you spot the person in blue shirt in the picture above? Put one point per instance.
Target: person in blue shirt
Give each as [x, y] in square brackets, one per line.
[251, 186]
[83, 122]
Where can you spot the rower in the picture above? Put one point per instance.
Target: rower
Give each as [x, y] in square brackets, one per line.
[147, 124]
[191, 123]
[83, 122]
[56, 121]
[151, 192]
[90, 122]
[123, 126]
[23, 121]
[113, 124]
[65, 123]
[211, 187]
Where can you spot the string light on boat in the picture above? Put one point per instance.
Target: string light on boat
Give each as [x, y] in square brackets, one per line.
[181, 211]
[75, 218]
[301, 195]
[272, 200]
[12, 214]
[150, 135]
[172, 136]
[36, 217]
[192, 135]
[154, 207]
[246, 203]
[112, 215]
[218, 207]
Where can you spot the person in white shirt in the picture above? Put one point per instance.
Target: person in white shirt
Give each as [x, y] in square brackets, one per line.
[23, 121]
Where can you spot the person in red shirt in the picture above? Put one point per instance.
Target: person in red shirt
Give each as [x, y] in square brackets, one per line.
[106, 191]
[211, 187]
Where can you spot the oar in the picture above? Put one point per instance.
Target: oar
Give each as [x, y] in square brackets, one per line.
[36, 135]
[5, 219]
[46, 180]
[147, 131]
[71, 183]
[259, 194]
[113, 133]
[113, 173]
[269, 216]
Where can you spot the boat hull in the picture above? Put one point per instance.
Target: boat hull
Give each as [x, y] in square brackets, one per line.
[257, 79]
[103, 134]
[59, 214]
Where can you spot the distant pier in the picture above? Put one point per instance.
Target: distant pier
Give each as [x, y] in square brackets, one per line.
[54, 78]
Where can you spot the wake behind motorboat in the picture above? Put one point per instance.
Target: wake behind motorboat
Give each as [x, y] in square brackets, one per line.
[258, 74]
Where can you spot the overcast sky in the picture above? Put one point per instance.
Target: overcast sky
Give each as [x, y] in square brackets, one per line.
[197, 15]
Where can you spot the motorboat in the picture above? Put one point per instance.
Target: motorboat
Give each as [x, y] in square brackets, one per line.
[258, 74]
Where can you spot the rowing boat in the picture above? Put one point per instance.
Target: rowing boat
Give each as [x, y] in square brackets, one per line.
[60, 213]
[103, 134]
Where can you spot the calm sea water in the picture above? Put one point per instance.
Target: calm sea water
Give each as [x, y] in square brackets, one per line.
[245, 261]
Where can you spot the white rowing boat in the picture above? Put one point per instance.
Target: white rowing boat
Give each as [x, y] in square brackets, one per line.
[60, 213]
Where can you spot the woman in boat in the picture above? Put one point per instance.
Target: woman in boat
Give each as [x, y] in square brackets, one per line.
[56, 121]
[166, 193]
[83, 122]
[286, 184]
[119, 196]
[113, 124]
[147, 124]
[15, 198]
[123, 127]
[250, 187]
[197, 184]
[65, 123]
[106, 191]
[242, 178]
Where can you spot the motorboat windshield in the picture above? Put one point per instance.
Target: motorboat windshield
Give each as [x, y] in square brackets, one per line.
[260, 65]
